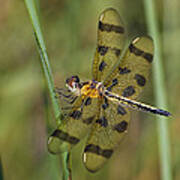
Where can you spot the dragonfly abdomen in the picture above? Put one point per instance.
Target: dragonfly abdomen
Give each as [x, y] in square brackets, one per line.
[135, 104]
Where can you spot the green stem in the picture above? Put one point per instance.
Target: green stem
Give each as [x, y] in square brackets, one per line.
[67, 169]
[43, 54]
[47, 71]
[160, 92]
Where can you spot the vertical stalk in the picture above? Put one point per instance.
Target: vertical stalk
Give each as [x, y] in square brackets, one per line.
[160, 92]
[30, 4]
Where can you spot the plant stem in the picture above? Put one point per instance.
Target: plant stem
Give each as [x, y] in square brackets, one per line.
[43, 54]
[47, 72]
[160, 92]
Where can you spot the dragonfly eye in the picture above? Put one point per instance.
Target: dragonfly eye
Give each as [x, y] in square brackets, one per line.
[76, 79]
[72, 79]
[73, 84]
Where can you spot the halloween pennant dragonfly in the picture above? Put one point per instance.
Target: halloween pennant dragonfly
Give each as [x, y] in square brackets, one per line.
[100, 108]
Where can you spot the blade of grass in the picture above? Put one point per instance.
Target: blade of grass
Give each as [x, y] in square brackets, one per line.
[67, 161]
[47, 73]
[160, 92]
[44, 57]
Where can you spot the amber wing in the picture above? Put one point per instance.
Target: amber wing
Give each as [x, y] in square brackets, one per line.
[108, 130]
[74, 126]
[127, 79]
[110, 42]
[131, 75]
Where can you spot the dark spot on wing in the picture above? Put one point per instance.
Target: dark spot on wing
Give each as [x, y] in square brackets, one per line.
[121, 127]
[88, 120]
[116, 51]
[110, 28]
[107, 153]
[65, 136]
[114, 82]
[102, 121]
[129, 91]
[75, 114]
[102, 66]
[106, 104]
[141, 81]
[121, 110]
[136, 51]
[124, 70]
[88, 101]
[148, 57]
[102, 50]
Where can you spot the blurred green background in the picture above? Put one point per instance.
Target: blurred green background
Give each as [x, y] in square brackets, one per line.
[69, 29]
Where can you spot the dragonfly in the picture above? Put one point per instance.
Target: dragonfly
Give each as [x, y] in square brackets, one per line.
[100, 108]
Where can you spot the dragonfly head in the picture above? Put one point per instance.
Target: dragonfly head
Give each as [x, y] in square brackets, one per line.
[73, 84]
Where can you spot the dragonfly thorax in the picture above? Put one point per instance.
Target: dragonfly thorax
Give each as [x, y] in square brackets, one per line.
[93, 89]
